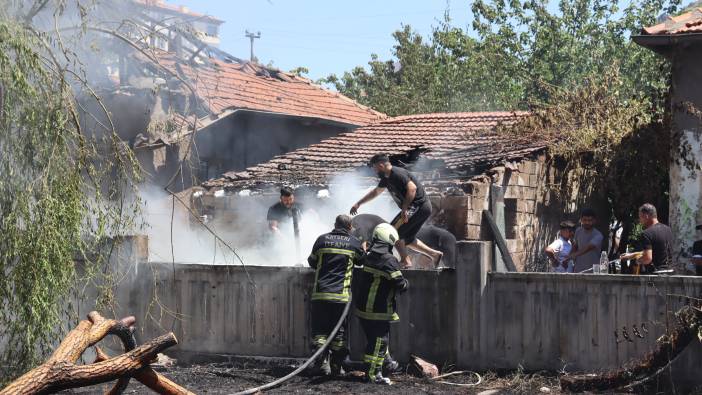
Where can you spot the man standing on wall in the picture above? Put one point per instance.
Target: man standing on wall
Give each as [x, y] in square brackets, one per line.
[415, 208]
[283, 211]
[374, 288]
[656, 242]
[588, 242]
[333, 257]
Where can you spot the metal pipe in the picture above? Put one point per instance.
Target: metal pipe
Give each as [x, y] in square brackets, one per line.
[296, 230]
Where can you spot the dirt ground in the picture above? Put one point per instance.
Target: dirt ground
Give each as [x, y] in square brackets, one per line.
[228, 379]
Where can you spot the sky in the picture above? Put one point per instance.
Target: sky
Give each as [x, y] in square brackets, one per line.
[324, 36]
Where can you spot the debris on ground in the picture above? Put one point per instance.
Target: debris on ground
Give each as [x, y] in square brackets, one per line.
[228, 378]
[421, 368]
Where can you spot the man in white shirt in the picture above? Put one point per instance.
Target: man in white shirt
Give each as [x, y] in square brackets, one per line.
[558, 252]
[587, 242]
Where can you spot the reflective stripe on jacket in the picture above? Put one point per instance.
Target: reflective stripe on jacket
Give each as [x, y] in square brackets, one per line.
[375, 285]
[333, 257]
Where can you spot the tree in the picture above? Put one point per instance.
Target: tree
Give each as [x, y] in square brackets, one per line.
[63, 189]
[515, 50]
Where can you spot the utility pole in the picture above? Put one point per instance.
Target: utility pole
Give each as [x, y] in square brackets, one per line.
[252, 37]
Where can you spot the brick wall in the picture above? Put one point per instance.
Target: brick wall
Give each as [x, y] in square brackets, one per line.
[534, 207]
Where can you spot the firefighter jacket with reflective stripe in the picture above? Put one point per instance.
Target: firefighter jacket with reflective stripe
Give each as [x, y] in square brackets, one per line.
[333, 257]
[375, 285]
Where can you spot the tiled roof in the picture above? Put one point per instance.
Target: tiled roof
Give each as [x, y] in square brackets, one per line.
[229, 85]
[687, 23]
[458, 139]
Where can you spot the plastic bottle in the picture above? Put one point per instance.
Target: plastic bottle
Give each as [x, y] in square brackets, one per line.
[603, 262]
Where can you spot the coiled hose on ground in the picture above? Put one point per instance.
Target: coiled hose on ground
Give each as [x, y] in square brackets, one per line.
[307, 363]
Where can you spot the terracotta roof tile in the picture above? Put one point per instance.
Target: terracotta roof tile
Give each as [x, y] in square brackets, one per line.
[686, 23]
[224, 86]
[458, 139]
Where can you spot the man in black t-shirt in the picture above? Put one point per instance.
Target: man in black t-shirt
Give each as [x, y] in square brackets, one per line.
[415, 208]
[283, 211]
[656, 242]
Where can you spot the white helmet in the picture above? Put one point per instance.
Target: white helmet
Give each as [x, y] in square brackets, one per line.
[386, 233]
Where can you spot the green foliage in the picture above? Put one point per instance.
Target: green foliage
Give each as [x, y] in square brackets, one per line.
[61, 197]
[597, 97]
[621, 148]
[515, 50]
[300, 71]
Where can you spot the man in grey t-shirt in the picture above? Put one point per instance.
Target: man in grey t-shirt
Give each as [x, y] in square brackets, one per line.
[588, 242]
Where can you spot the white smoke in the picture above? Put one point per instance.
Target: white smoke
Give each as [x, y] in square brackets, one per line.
[186, 241]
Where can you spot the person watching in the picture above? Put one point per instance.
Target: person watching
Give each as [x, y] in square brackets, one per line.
[558, 252]
[656, 242]
[587, 242]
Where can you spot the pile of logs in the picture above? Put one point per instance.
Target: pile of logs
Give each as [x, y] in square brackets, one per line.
[61, 372]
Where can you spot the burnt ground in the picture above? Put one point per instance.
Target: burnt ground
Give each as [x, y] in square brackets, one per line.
[229, 378]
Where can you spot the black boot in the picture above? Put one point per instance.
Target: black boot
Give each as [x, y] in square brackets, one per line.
[339, 362]
[391, 366]
[378, 379]
[321, 366]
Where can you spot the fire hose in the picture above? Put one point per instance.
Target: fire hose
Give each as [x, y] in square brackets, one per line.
[307, 363]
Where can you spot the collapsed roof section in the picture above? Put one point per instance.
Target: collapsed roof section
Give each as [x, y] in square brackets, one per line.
[446, 144]
[226, 84]
[201, 83]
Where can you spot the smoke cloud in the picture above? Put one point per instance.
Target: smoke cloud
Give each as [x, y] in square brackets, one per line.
[242, 224]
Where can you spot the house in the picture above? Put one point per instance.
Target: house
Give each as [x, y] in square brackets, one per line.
[192, 112]
[205, 27]
[466, 161]
[239, 114]
[679, 39]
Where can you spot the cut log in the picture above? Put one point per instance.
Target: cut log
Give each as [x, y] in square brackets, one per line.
[60, 372]
[689, 321]
[150, 378]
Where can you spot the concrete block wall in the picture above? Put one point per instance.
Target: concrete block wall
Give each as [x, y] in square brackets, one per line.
[470, 316]
[218, 310]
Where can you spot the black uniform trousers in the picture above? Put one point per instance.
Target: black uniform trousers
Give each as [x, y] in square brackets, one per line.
[377, 340]
[325, 315]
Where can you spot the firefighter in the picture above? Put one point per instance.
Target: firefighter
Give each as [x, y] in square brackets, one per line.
[375, 285]
[333, 257]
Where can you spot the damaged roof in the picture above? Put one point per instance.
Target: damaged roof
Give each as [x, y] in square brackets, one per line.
[458, 140]
[686, 23]
[224, 85]
[177, 10]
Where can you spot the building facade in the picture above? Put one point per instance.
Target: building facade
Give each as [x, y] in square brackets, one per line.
[679, 39]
